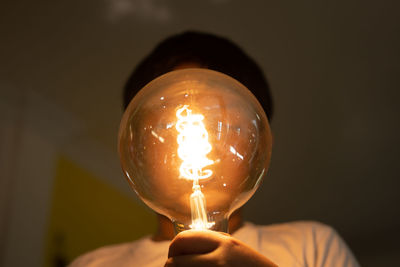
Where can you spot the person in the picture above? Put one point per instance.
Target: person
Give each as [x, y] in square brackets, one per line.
[299, 243]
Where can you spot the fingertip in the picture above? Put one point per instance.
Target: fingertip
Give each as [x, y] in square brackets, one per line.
[193, 242]
[169, 262]
[223, 233]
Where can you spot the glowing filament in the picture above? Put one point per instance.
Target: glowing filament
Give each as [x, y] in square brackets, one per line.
[193, 147]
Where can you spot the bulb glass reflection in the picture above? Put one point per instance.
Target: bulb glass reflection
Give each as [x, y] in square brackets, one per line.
[195, 144]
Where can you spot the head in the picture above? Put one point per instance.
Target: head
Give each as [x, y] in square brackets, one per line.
[194, 49]
[200, 50]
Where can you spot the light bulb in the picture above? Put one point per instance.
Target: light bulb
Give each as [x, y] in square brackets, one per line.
[195, 144]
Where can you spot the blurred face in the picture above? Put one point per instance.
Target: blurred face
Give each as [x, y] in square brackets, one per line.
[237, 130]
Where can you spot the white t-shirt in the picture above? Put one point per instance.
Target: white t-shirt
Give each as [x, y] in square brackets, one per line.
[289, 244]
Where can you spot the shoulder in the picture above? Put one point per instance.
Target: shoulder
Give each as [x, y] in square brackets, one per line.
[312, 243]
[293, 234]
[300, 229]
[107, 256]
[296, 226]
[305, 234]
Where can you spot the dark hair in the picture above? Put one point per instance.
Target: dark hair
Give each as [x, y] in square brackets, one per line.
[207, 50]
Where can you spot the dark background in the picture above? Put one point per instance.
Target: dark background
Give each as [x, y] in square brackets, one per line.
[333, 67]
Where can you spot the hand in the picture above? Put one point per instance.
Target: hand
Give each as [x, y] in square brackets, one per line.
[208, 248]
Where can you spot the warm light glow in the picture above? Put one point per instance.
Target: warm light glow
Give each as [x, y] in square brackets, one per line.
[193, 147]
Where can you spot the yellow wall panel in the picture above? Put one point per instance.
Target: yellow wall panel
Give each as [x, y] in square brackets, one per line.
[87, 213]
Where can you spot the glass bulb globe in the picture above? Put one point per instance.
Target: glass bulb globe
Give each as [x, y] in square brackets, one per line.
[195, 144]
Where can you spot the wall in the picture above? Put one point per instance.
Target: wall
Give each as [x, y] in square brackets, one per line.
[42, 144]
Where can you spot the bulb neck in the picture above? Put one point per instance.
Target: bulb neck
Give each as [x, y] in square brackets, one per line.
[220, 225]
